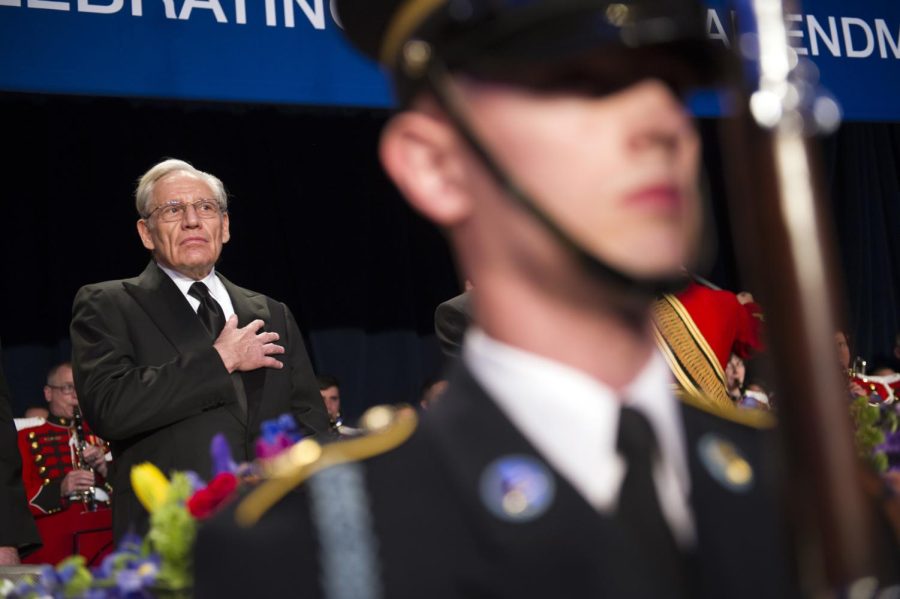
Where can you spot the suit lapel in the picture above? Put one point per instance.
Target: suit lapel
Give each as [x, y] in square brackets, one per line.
[249, 306]
[160, 298]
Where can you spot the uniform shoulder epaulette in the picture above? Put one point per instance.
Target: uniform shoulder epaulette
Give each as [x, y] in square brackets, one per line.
[385, 429]
[26, 423]
[747, 417]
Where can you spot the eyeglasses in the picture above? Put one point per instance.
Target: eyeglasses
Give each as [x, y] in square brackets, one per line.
[67, 389]
[175, 210]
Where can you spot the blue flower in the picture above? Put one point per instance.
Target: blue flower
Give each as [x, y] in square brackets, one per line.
[288, 426]
[66, 573]
[48, 578]
[139, 575]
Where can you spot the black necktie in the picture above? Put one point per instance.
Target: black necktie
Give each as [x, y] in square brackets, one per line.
[639, 509]
[210, 312]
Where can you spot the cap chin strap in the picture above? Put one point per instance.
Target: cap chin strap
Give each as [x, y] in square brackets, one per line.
[438, 81]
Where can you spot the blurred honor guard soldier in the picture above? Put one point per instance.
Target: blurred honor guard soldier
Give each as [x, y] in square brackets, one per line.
[64, 476]
[548, 138]
[166, 360]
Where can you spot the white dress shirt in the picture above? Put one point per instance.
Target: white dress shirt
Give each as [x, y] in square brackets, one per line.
[572, 419]
[212, 282]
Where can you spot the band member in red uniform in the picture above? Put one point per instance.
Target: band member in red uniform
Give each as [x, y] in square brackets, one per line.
[699, 328]
[64, 476]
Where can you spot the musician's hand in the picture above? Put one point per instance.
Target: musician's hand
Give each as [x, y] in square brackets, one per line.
[96, 459]
[245, 349]
[745, 297]
[856, 389]
[9, 556]
[76, 481]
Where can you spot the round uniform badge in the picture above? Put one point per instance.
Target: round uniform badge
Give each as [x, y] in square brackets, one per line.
[517, 488]
[725, 463]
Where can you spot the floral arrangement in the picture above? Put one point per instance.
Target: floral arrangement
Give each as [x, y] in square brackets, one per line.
[876, 433]
[159, 565]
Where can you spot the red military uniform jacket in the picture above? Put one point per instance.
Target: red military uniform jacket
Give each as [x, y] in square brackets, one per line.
[66, 527]
[47, 457]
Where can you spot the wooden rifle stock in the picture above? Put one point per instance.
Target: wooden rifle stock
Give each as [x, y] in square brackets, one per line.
[785, 244]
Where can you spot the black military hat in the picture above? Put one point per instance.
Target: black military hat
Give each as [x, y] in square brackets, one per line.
[534, 42]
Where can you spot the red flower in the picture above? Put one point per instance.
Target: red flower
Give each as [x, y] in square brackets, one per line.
[205, 502]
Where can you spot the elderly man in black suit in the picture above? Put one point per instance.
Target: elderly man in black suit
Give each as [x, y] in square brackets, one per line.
[167, 359]
[549, 139]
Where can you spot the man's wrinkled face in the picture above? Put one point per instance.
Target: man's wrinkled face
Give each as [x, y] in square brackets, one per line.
[332, 398]
[190, 245]
[60, 393]
[618, 172]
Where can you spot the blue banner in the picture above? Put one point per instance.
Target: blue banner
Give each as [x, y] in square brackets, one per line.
[292, 51]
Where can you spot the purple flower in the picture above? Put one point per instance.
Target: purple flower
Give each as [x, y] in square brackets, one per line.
[221, 455]
[130, 543]
[891, 443]
[195, 481]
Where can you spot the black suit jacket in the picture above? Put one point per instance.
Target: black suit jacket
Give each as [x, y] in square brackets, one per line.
[17, 527]
[150, 382]
[451, 319]
[436, 538]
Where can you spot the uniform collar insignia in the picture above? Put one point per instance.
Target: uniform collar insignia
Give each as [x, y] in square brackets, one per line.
[517, 488]
[725, 463]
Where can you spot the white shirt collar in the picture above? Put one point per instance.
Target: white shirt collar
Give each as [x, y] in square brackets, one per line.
[572, 419]
[212, 282]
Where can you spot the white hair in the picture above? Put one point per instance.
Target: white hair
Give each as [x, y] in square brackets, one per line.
[143, 195]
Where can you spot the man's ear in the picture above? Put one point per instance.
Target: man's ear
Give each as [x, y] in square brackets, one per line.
[422, 154]
[144, 232]
[47, 391]
[226, 228]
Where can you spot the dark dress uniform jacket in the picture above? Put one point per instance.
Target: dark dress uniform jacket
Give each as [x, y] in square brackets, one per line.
[434, 536]
[151, 384]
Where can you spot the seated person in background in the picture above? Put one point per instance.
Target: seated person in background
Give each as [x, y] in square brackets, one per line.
[54, 482]
[37, 412]
[842, 343]
[330, 389]
[735, 372]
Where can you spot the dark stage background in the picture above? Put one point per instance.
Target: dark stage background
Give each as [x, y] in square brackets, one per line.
[316, 224]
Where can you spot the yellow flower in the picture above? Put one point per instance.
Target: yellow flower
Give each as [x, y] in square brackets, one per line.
[150, 485]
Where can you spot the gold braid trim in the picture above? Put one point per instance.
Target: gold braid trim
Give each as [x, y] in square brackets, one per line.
[688, 354]
[388, 428]
[696, 335]
[732, 413]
